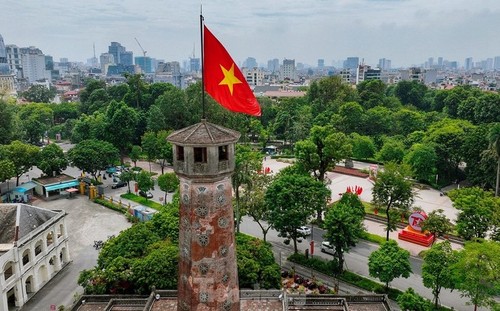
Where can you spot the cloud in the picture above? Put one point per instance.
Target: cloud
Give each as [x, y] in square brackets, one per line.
[406, 31]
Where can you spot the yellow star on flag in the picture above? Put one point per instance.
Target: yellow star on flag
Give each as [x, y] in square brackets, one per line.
[229, 78]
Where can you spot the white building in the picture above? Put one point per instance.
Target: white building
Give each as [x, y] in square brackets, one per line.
[254, 76]
[33, 248]
[288, 70]
[34, 67]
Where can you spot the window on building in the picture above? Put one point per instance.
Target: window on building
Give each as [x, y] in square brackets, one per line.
[200, 155]
[8, 271]
[26, 256]
[223, 153]
[180, 153]
[38, 248]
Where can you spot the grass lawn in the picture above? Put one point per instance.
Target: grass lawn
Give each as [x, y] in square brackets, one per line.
[143, 201]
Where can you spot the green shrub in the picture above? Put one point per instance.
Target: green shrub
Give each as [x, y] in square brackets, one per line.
[372, 237]
[110, 205]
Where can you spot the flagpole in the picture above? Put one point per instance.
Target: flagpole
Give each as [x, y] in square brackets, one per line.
[202, 67]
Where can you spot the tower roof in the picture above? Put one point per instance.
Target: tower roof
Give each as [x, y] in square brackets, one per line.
[204, 133]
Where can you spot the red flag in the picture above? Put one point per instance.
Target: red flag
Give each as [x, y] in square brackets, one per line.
[223, 79]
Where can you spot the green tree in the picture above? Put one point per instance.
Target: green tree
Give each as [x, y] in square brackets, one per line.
[476, 273]
[247, 163]
[90, 86]
[436, 269]
[256, 263]
[165, 152]
[253, 201]
[392, 190]
[8, 124]
[412, 93]
[291, 200]
[52, 160]
[150, 146]
[343, 227]
[39, 94]
[437, 224]
[135, 154]
[389, 262]
[320, 152]
[156, 268]
[168, 182]
[476, 208]
[408, 121]
[137, 91]
[447, 137]
[92, 155]
[363, 147]
[144, 181]
[89, 127]
[121, 126]
[494, 139]
[351, 117]
[127, 176]
[422, 160]
[411, 301]
[392, 151]
[22, 155]
[35, 120]
[7, 170]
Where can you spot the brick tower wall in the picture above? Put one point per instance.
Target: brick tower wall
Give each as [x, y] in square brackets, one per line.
[208, 278]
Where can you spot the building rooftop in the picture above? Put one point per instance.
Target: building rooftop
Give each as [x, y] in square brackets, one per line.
[254, 300]
[18, 220]
[204, 133]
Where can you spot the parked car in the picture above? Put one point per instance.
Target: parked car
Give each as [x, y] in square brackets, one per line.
[148, 194]
[304, 230]
[119, 184]
[327, 248]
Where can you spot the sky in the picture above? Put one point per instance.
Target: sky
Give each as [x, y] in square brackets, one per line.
[407, 32]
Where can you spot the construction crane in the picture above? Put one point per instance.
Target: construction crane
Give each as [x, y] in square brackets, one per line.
[143, 52]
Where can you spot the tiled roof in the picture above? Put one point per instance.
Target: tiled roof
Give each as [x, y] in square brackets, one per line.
[204, 133]
[26, 217]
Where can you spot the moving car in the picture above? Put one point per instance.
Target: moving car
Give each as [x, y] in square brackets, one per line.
[304, 230]
[119, 184]
[327, 248]
[148, 194]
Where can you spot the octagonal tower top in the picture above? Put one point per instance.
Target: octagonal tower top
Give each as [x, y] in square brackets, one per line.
[203, 150]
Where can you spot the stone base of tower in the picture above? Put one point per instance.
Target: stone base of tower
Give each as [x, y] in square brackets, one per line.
[208, 278]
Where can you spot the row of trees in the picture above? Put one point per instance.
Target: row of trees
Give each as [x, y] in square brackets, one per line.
[433, 131]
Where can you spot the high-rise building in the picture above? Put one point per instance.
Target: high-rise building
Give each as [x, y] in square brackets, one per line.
[194, 64]
[250, 62]
[384, 64]
[127, 58]
[116, 49]
[273, 65]
[351, 63]
[496, 63]
[287, 70]
[254, 76]
[4, 66]
[106, 59]
[440, 62]
[321, 63]
[469, 64]
[145, 63]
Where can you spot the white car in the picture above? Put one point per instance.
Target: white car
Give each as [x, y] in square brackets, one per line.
[304, 230]
[327, 248]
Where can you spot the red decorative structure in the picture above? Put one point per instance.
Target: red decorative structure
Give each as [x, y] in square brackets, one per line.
[413, 232]
[356, 190]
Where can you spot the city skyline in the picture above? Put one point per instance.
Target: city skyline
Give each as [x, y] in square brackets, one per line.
[407, 32]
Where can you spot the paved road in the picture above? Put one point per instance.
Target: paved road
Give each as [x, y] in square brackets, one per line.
[357, 260]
